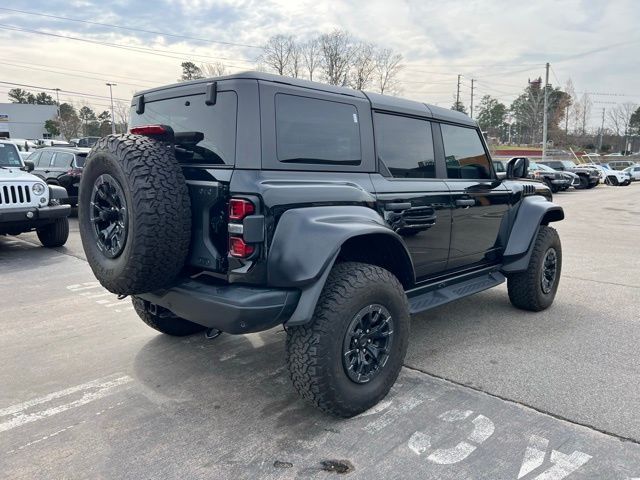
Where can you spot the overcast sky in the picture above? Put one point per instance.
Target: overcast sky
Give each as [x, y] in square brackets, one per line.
[499, 43]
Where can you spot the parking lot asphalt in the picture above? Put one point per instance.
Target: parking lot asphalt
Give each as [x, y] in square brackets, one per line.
[88, 391]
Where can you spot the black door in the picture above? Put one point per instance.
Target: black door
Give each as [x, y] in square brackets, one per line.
[414, 201]
[480, 200]
[43, 164]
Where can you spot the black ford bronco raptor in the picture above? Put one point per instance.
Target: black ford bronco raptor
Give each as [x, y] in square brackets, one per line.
[253, 200]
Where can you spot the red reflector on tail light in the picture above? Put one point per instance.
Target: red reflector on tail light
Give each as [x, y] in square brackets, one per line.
[237, 248]
[240, 208]
[149, 130]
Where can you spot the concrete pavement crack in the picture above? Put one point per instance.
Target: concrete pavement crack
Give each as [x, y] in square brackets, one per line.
[524, 405]
[564, 275]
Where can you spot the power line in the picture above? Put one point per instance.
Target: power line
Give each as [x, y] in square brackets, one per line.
[131, 48]
[89, 22]
[61, 90]
[31, 67]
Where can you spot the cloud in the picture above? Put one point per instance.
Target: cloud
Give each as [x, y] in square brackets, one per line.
[502, 43]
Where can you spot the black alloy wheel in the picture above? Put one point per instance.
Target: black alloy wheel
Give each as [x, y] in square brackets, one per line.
[109, 216]
[367, 343]
[549, 270]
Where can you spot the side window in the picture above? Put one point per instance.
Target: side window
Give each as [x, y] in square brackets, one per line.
[464, 153]
[62, 160]
[35, 158]
[45, 159]
[314, 131]
[405, 146]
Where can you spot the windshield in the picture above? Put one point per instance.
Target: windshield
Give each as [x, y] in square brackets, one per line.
[80, 159]
[9, 156]
[546, 168]
[534, 166]
[568, 164]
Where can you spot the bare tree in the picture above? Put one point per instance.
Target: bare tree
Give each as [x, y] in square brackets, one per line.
[311, 56]
[121, 114]
[277, 53]
[216, 69]
[619, 119]
[337, 53]
[387, 68]
[362, 66]
[295, 60]
[585, 110]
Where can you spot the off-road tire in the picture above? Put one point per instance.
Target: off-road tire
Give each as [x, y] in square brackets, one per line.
[584, 182]
[525, 289]
[54, 234]
[158, 213]
[314, 351]
[167, 324]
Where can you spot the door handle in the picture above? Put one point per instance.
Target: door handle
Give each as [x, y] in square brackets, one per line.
[397, 206]
[465, 202]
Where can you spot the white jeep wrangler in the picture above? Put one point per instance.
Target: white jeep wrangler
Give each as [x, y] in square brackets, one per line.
[27, 203]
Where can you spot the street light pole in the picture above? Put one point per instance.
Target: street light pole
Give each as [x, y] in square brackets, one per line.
[544, 115]
[113, 120]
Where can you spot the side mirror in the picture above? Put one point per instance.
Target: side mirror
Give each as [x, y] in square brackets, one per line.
[518, 168]
[29, 166]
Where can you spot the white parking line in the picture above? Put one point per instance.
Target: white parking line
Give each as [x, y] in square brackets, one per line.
[91, 391]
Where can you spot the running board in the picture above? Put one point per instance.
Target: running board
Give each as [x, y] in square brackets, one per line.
[426, 298]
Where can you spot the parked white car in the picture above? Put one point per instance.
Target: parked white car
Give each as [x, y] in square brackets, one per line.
[610, 176]
[633, 171]
[27, 203]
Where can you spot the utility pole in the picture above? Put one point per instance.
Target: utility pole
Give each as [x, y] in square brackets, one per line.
[113, 118]
[58, 100]
[544, 116]
[458, 93]
[601, 131]
[471, 111]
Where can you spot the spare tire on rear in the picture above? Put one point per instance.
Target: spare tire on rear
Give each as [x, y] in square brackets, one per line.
[134, 214]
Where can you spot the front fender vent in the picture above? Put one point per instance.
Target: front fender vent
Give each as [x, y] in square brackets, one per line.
[528, 190]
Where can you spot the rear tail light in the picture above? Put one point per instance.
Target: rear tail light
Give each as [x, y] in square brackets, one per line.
[149, 130]
[240, 208]
[239, 249]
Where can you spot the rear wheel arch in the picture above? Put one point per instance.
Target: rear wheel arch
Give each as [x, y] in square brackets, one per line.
[382, 250]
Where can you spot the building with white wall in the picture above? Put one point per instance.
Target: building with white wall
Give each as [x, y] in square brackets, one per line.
[19, 120]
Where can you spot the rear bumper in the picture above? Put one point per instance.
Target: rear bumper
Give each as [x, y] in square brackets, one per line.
[38, 215]
[230, 308]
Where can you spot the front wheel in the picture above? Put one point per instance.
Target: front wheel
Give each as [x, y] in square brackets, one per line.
[348, 357]
[584, 182]
[535, 288]
[54, 234]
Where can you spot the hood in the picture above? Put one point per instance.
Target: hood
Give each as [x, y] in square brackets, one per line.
[14, 174]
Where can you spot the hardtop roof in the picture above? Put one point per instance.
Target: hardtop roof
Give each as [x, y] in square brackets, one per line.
[378, 101]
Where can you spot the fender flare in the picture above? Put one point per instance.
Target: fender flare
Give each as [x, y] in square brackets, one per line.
[533, 212]
[307, 242]
[56, 192]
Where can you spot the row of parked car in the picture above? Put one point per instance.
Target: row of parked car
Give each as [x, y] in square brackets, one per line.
[560, 175]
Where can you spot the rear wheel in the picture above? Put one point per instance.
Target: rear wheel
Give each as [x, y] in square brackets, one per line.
[54, 234]
[348, 357]
[164, 321]
[535, 288]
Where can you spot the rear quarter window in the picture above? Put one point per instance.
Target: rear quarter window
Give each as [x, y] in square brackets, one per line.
[315, 131]
[205, 134]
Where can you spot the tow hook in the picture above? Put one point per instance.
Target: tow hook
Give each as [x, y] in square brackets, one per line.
[211, 333]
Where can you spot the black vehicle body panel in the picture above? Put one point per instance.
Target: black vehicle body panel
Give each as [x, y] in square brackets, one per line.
[432, 233]
[60, 175]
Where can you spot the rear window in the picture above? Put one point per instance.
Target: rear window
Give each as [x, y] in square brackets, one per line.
[9, 156]
[314, 131]
[204, 133]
